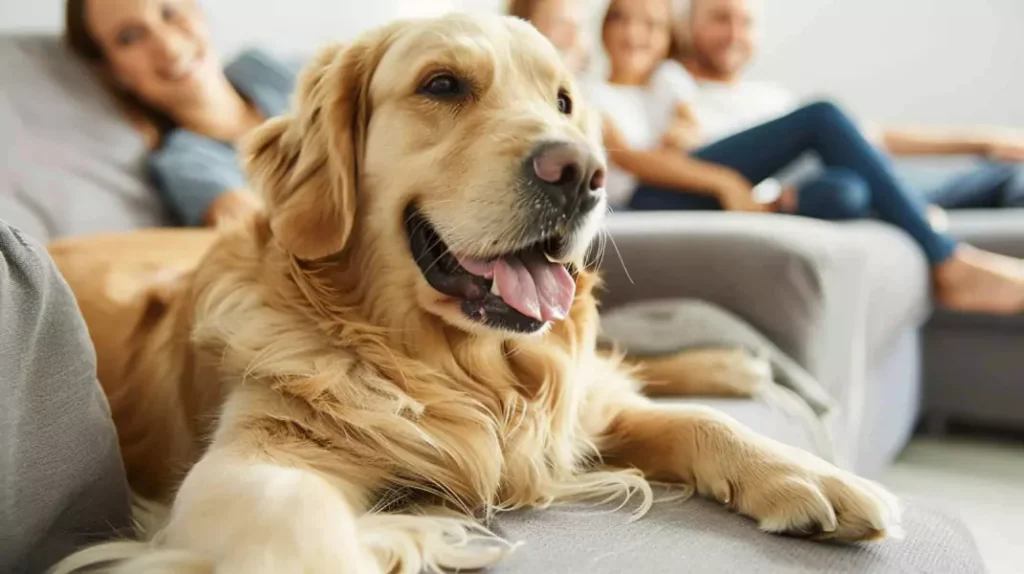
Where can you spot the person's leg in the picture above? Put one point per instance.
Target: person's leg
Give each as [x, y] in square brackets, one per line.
[648, 198]
[62, 482]
[836, 194]
[966, 279]
[987, 186]
[1013, 190]
[824, 129]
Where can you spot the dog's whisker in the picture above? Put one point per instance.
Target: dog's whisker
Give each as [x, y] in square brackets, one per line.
[621, 260]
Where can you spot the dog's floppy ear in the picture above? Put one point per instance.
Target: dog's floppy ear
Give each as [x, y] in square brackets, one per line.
[306, 163]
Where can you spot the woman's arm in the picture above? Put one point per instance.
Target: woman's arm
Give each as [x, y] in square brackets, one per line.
[231, 204]
[201, 180]
[671, 169]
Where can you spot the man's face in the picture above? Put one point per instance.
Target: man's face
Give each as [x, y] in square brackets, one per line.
[723, 32]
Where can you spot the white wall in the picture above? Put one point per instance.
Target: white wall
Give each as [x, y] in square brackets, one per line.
[291, 26]
[934, 61]
[922, 61]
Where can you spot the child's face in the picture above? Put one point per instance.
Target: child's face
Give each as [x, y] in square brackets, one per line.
[559, 21]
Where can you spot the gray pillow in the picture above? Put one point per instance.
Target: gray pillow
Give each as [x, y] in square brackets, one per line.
[62, 483]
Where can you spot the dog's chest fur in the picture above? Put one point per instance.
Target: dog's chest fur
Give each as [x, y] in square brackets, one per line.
[489, 432]
[477, 445]
[479, 422]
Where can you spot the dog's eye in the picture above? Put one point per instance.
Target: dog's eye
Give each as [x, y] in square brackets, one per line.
[443, 86]
[564, 102]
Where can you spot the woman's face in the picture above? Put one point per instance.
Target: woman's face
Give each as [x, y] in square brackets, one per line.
[157, 49]
[637, 35]
[558, 20]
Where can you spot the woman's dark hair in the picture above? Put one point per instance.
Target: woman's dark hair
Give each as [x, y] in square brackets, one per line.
[152, 122]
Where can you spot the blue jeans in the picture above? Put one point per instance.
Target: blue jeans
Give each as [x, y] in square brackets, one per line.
[863, 175]
[989, 185]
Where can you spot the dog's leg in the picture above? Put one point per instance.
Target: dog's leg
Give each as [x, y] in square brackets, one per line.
[785, 489]
[254, 515]
[257, 509]
[701, 373]
[239, 513]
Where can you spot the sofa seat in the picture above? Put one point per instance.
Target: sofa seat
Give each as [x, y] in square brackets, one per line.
[698, 536]
[701, 537]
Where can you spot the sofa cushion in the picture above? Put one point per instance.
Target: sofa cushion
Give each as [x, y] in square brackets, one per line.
[76, 166]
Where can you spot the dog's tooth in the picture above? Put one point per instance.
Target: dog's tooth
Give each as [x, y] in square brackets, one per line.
[494, 289]
[550, 258]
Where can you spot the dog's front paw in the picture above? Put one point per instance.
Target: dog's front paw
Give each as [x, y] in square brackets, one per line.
[792, 492]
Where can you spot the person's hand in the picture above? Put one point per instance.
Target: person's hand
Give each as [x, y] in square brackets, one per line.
[787, 201]
[682, 137]
[735, 193]
[684, 134]
[1005, 148]
[231, 205]
[612, 136]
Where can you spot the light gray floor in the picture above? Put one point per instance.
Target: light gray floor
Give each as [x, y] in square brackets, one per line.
[981, 480]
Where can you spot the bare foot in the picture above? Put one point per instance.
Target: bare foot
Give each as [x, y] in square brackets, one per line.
[981, 282]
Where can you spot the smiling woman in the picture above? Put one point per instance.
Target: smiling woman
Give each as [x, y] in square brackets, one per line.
[157, 60]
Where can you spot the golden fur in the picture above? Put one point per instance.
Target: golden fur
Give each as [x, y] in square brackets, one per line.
[330, 412]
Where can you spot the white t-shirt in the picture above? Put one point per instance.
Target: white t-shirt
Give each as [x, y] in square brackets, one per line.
[641, 113]
[726, 109]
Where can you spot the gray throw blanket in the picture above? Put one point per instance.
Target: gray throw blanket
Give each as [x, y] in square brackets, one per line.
[663, 327]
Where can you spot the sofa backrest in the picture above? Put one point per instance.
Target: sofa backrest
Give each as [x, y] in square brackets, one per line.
[73, 164]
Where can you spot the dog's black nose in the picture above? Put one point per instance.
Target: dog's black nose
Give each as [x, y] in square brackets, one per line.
[568, 174]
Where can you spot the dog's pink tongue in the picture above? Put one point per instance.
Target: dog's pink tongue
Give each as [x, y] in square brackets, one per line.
[535, 287]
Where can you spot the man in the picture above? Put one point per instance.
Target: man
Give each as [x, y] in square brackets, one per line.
[718, 38]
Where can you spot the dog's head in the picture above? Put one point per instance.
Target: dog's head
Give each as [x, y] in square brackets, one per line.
[457, 154]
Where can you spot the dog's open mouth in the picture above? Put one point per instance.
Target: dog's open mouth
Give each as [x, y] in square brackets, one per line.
[519, 291]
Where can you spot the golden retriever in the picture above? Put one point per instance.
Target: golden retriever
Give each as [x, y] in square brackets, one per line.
[404, 342]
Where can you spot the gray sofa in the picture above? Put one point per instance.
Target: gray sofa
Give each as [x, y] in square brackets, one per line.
[847, 301]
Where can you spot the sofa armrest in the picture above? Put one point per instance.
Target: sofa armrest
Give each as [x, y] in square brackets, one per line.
[832, 296]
